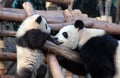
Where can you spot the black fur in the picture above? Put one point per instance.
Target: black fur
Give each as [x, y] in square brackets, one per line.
[74, 67]
[33, 39]
[41, 72]
[98, 55]
[79, 24]
[24, 73]
[39, 19]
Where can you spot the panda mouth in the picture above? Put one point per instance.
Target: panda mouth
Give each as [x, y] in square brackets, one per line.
[57, 42]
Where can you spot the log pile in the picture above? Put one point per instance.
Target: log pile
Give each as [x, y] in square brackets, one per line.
[56, 19]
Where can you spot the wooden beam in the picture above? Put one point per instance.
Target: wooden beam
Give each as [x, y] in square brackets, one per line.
[48, 47]
[54, 66]
[57, 18]
[7, 33]
[8, 56]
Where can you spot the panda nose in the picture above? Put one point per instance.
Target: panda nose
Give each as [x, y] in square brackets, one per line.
[56, 41]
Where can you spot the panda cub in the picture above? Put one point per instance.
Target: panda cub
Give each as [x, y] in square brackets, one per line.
[31, 36]
[98, 50]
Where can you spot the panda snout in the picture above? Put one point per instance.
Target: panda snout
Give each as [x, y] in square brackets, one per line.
[55, 38]
[57, 41]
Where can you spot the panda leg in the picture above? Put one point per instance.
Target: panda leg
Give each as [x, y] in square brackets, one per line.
[42, 71]
[24, 73]
[100, 69]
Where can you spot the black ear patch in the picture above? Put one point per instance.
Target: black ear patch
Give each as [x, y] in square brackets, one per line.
[39, 19]
[79, 24]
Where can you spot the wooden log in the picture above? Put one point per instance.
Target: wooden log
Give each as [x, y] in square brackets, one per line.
[8, 56]
[2, 66]
[49, 47]
[7, 33]
[28, 8]
[54, 66]
[19, 15]
[6, 76]
[62, 51]
[59, 19]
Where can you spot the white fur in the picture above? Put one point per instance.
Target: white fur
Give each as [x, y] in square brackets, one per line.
[73, 36]
[86, 34]
[29, 23]
[26, 56]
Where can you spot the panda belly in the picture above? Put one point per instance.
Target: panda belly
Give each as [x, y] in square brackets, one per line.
[27, 58]
[117, 62]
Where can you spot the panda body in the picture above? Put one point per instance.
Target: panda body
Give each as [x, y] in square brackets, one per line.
[31, 36]
[98, 50]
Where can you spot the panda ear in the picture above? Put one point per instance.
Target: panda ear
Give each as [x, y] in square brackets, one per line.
[79, 24]
[39, 19]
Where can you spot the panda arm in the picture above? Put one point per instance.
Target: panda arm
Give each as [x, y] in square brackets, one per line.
[72, 66]
[36, 38]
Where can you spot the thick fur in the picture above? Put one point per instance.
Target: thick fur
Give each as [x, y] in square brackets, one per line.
[31, 36]
[98, 50]
[72, 66]
[98, 54]
[33, 39]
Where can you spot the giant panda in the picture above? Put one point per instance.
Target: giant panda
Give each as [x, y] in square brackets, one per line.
[30, 37]
[99, 51]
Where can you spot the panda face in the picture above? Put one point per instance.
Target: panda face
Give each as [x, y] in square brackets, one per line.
[33, 22]
[44, 26]
[68, 36]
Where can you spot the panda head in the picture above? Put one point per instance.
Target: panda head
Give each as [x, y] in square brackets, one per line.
[69, 35]
[35, 21]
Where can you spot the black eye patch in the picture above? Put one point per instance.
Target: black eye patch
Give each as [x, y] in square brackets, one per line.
[65, 34]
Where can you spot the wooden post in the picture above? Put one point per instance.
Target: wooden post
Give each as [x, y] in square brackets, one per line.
[2, 68]
[100, 4]
[118, 12]
[54, 66]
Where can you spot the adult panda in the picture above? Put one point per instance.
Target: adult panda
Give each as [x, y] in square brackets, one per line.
[31, 36]
[98, 50]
